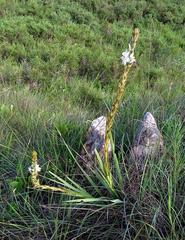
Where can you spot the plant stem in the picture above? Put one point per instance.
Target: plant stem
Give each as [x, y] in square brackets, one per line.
[116, 104]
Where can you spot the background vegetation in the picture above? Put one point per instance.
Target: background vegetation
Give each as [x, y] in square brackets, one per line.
[59, 68]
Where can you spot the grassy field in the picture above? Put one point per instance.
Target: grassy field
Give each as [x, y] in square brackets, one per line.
[59, 69]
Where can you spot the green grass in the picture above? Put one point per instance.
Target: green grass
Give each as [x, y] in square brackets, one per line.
[59, 69]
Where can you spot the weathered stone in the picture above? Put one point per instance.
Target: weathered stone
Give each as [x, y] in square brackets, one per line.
[94, 140]
[148, 142]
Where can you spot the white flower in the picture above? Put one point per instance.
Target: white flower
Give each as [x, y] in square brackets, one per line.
[127, 57]
[37, 168]
[34, 168]
[11, 107]
[30, 169]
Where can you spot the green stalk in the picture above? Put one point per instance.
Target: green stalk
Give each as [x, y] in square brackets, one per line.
[116, 104]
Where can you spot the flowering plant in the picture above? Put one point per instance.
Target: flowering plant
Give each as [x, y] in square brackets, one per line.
[128, 57]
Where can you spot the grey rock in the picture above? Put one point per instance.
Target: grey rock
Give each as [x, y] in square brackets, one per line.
[148, 145]
[94, 140]
[148, 142]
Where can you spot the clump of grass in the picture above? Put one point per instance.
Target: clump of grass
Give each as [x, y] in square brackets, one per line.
[135, 216]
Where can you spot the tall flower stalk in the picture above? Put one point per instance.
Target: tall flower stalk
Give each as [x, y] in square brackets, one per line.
[127, 60]
[34, 170]
[70, 188]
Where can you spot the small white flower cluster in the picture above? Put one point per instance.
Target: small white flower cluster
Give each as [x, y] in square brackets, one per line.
[34, 168]
[11, 107]
[127, 57]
